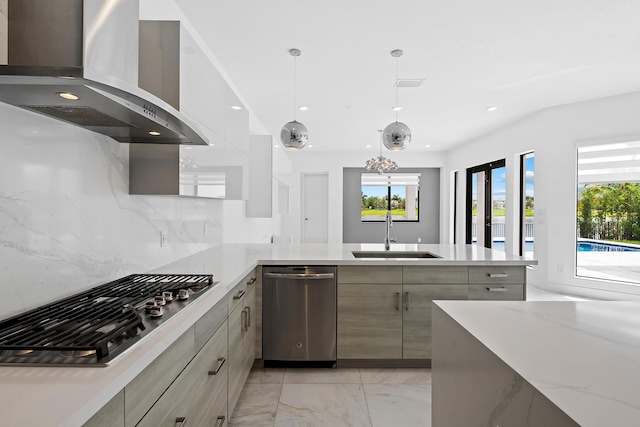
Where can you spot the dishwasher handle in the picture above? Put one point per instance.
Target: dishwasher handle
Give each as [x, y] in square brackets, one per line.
[294, 276]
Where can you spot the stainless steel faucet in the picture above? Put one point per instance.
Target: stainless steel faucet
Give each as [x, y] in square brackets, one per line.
[389, 222]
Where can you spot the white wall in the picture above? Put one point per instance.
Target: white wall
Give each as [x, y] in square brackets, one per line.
[553, 135]
[332, 163]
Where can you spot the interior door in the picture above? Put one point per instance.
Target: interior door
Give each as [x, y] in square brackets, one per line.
[486, 205]
[315, 209]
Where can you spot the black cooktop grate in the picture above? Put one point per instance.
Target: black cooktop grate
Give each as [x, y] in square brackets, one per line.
[88, 327]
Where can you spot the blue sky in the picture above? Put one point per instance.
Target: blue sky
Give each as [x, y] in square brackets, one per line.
[498, 181]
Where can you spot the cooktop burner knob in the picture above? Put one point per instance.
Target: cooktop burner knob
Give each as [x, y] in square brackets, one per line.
[168, 296]
[183, 294]
[160, 300]
[149, 305]
[156, 311]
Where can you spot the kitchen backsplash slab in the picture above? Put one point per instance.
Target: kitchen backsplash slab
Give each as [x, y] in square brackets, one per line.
[67, 221]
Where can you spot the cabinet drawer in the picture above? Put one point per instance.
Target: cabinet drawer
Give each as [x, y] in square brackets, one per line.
[209, 323]
[508, 292]
[497, 274]
[369, 274]
[445, 274]
[141, 393]
[187, 397]
[235, 297]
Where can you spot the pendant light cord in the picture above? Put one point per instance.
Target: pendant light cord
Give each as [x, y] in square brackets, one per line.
[295, 78]
[396, 106]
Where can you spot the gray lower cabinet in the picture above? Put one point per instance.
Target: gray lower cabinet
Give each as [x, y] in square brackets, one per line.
[111, 414]
[242, 309]
[198, 394]
[384, 312]
[369, 312]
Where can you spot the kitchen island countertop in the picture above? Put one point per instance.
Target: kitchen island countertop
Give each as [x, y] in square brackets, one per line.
[581, 355]
[69, 396]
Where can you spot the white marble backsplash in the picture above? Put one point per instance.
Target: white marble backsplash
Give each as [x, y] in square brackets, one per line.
[67, 221]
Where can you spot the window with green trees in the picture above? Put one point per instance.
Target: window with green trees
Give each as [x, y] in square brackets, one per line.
[397, 192]
[608, 212]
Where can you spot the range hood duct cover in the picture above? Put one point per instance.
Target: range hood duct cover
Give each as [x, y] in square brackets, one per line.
[88, 48]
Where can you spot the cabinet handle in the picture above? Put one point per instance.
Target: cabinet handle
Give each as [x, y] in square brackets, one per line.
[498, 275]
[500, 289]
[243, 322]
[248, 316]
[240, 294]
[399, 302]
[181, 421]
[221, 361]
[408, 301]
[220, 421]
[251, 281]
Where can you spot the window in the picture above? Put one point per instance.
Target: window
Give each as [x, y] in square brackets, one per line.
[608, 212]
[397, 192]
[526, 204]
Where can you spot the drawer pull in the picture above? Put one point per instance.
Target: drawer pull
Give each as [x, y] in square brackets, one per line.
[181, 421]
[251, 281]
[498, 275]
[408, 301]
[221, 361]
[220, 421]
[399, 302]
[244, 324]
[500, 289]
[240, 294]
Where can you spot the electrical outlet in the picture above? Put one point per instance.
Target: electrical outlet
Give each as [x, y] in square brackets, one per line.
[560, 268]
[205, 229]
[163, 239]
[419, 239]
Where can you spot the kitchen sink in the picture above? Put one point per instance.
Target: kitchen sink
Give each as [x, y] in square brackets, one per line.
[394, 254]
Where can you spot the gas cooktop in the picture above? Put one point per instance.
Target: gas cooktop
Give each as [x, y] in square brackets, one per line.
[93, 327]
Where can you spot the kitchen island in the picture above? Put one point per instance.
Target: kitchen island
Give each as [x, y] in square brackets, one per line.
[71, 396]
[559, 363]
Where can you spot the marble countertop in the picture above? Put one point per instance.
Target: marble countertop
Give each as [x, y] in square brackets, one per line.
[582, 355]
[69, 396]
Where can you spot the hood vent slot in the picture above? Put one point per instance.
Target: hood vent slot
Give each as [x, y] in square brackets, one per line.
[81, 116]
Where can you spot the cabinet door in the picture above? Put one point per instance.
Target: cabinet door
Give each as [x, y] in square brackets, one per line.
[416, 324]
[369, 321]
[249, 338]
[236, 356]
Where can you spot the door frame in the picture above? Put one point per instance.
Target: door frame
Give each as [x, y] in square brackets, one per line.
[488, 206]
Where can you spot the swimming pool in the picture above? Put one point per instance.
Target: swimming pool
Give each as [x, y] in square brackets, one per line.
[600, 246]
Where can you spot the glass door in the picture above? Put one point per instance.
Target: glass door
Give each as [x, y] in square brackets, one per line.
[486, 207]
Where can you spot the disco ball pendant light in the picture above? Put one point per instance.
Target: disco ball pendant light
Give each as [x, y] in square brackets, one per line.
[294, 135]
[397, 135]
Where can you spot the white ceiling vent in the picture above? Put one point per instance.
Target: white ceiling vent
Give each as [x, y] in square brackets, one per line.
[408, 82]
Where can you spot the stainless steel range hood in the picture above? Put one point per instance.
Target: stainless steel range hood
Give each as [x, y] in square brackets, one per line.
[88, 49]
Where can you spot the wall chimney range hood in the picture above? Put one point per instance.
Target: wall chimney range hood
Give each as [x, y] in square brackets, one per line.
[77, 61]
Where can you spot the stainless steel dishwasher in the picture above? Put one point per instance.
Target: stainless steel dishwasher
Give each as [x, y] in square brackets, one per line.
[299, 315]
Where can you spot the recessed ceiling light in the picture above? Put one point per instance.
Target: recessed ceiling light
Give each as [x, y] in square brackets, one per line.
[68, 96]
[154, 133]
[276, 145]
[492, 108]
[397, 108]
[310, 146]
[303, 108]
[427, 146]
[368, 146]
[236, 107]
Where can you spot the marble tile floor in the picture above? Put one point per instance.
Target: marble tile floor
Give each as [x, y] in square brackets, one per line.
[335, 397]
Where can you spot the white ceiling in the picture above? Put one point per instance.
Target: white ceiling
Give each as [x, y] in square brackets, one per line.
[519, 55]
